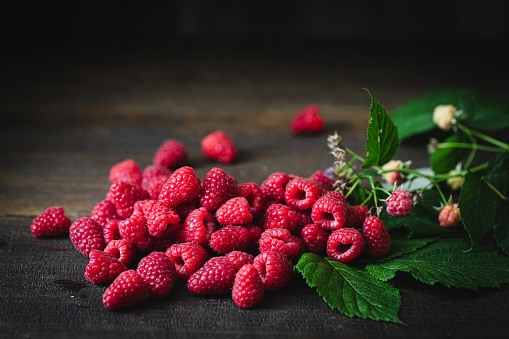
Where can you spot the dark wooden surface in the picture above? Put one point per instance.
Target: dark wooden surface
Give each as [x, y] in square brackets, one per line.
[68, 115]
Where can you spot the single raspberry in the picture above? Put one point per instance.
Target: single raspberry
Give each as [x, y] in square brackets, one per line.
[393, 177]
[217, 188]
[325, 181]
[134, 229]
[302, 193]
[123, 195]
[230, 238]
[239, 258]
[121, 249]
[198, 227]
[255, 231]
[126, 171]
[86, 235]
[329, 211]
[274, 186]
[182, 186]
[449, 215]
[254, 196]
[155, 185]
[170, 154]
[247, 291]
[103, 268]
[376, 236]
[280, 240]
[275, 270]
[161, 220]
[216, 276]
[234, 212]
[304, 219]
[400, 203]
[188, 258]
[152, 171]
[111, 231]
[51, 223]
[219, 146]
[315, 238]
[280, 216]
[345, 244]
[158, 271]
[103, 212]
[308, 120]
[355, 216]
[128, 289]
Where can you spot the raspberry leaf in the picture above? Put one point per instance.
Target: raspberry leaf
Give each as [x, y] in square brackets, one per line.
[445, 159]
[497, 172]
[353, 291]
[501, 226]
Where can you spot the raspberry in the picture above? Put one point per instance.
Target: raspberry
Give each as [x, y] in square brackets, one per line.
[170, 154]
[134, 229]
[308, 120]
[217, 188]
[155, 185]
[376, 235]
[158, 271]
[216, 276]
[400, 203]
[198, 227]
[280, 240]
[234, 212]
[161, 221]
[345, 244]
[304, 219]
[103, 212]
[393, 177]
[121, 249]
[218, 145]
[254, 196]
[128, 289]
[152, 171]
[280, 216]
[355, 216]
[161, 244]
[86, 235]
[111, 231]
[123, 195]
[247, 291]
[126, 171]
[182, 186]
[183, 210]
[449, 216]
[302, 193]
[274, 186]
[230, 238]
[188, 258]
[315, 238]
[275, 270]
[239, 258]
[103, 268]
[329, 211]
[320, 177]
[51, 223]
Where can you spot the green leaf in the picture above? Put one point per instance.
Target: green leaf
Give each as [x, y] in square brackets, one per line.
[497, 172]
[382, 142]
[485, 112]
[446, 262]
[477, 207]
[352, 291]
[445, 159]
[501, 226]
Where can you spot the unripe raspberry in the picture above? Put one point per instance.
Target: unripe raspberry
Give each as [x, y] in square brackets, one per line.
[400, 203]
[443, 116]
[455, 183]
[394, 177]
[449, 216]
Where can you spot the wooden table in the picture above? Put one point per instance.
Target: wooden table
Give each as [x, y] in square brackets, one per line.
[68, 115]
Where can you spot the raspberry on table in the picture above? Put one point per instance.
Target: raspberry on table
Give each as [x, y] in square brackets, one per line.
[152, 171]
[377, 238]
[161, 220]
[217, 188]
[329, 211]
[449, 215]
[275, 270]
[254, 196]
[302, 193]
[308, 120]
[219, 146]
[170, 154]
[216, 276]
[280, 240]
[274, 187]
[235, 211]
[355, 216]
[126, 171]
[239, 258]
[345, 244]
[127, 290]
[103, 212]
[315, 238]
[158, 271]
[230, 238]
[86, 235]
[325, 181]
[198, 227]
[134, 229]
[280, 216]
[188, 258]
[247, 291]
[123, 195]
[400, 203]
[183, 186]
[121, 249]
[51, 223]
[111, 231]
[103, 268]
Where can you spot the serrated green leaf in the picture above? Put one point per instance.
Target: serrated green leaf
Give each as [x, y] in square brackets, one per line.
[497, 172]
[477, 207]
[353, 291]
[445, 159]
[501, 226]
[382, 142]
[485, 112]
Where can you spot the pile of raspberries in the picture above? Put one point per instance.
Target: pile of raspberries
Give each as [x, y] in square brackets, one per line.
[219, 236]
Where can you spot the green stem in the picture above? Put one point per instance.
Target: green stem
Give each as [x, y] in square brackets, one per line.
[495, 189]
[441, 193]
[373, 190]
[470, 146]
[357, 181]
[484, 137]
[355, 155]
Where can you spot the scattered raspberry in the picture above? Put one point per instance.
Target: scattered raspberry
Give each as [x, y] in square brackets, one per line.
[103, 212]
[449, 216]
[188, 258]
[280, 240]
[230, 238]
[393, 177]
[153, 171]
[217, 188]
[308, 120]
[315, 238]
[198, 227]
[103, 268]
[234, 212]
[123, 195]
[218, 145]
[86, 235]
[345, 244]
[302, 193]
[275, 270]
[216, 276]
[239, 258]
[182, 186]
[121, 249]
[111, 231]
[51, 223]
[126, 171]
[355, 216]
[280, 216]
[274, 187]
[155, 185]
[247, 289]
[170, 154]
[161, 220]
[128, 289]
[134, 229]
[400, 203]
[158, 271]
[254, 196]
[329, 211]
[376, 235]
[325, 181]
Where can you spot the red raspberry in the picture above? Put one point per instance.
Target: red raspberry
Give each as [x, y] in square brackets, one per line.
[449, 216]
[376, 235]
[274, 186]
[326, 183]
[230, 238]
[103, 212]
[182, 186]
[198, 227]
[275, 270]
[280, 240]
[400, 203]
[152, 171]
[86, 235]
[315, 238]
[304, 219]
[161, 220]
[111, 231]
[123, 195]
[161, 244]
[218, 145]
[234, 212]
[302, 193]
[128, 289]
[345, 244]
[308, 120]
[239, 258]
[158, 271]
[188, 258]
[126, 171]
[183, 210]
[51, 223]
[121, 249]
[329, 211]
[247, 291]
[217, 188]
[254, 196]
[170, 154]
[216, 276]
[134, 229]
[103, 268]
[355, 216]
[155, 185]
[280, 216]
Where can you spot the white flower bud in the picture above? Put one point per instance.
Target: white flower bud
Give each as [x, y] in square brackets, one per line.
[443, 116]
